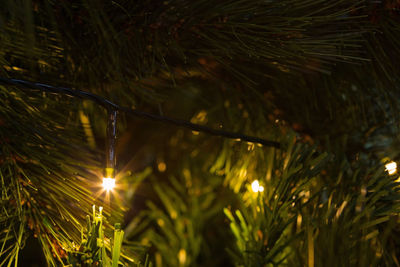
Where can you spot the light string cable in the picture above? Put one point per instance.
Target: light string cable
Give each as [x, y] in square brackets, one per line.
[110, 106]
[110, 170]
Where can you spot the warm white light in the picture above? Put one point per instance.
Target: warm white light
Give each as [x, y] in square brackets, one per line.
[256, 187]
[108, 183]
[391, 167]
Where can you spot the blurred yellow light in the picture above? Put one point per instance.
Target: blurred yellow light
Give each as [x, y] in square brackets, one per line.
[256, 187]
[108, 183]
[162, 166]
[391, 167]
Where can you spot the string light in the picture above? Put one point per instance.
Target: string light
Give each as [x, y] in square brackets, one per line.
[109, 179]
[137, 113]
[256, 187]
[391, 167]
[109, 173]
[108, 183]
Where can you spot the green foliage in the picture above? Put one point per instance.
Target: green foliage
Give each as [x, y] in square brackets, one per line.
[354, 219]
[326, 70]
[41, 174]
[94, 247]
[263, 224]
[178, 223]
[308, 216]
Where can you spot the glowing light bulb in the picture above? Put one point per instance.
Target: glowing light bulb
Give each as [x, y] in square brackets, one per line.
[256, 187]
[108, 183]
[391, 167]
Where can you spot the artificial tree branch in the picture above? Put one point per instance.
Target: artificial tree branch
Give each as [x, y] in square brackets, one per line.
[137, 113]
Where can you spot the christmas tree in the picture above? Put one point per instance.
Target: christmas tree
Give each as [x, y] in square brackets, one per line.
[237, 133]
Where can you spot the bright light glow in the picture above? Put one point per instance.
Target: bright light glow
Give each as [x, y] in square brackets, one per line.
[108, 183]
[256, 187]
[391, 167]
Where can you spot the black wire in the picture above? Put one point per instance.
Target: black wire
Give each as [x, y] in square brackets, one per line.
[137, 113]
